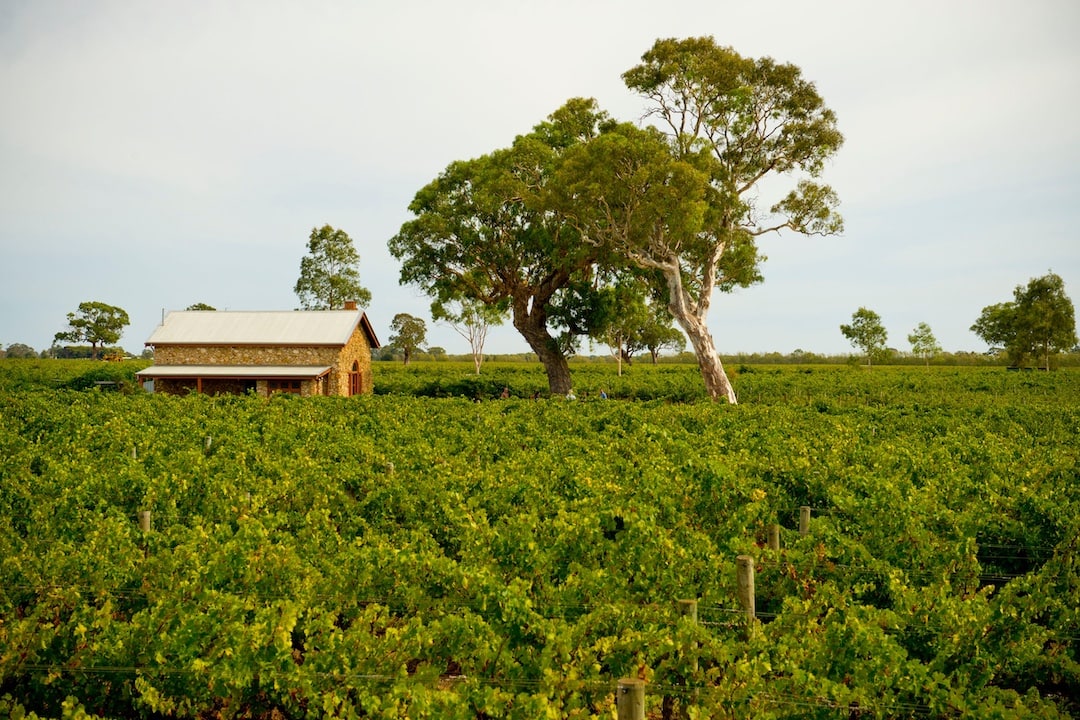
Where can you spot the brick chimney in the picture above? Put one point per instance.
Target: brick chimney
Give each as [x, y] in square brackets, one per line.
[350, 304]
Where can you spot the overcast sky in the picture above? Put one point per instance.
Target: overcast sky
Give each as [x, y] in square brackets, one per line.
[158, 154]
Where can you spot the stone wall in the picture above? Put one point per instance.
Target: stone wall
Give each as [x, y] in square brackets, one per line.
[244, 355]
[357, 350]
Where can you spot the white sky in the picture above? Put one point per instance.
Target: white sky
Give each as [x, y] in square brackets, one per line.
[159, 154]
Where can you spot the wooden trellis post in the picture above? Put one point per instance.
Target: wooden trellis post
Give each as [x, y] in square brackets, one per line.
[688, 609]
[804, 520]
[774, 537]
[745, 567]
[630, 699]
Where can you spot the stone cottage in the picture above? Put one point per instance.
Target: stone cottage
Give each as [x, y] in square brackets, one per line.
[305, 352]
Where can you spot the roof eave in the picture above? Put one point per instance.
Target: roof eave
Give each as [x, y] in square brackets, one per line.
[241, 344]
[366, 324]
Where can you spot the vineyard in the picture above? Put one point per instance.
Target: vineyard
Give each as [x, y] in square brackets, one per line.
[433, 551]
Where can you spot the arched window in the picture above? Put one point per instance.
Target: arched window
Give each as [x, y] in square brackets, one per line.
[355, 385]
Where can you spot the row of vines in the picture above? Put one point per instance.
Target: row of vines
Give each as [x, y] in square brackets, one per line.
[402, 556]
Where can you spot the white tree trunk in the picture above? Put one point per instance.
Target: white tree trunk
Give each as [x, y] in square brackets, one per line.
[477, 335]
[617, 351]
[712, 370]
[691, 318]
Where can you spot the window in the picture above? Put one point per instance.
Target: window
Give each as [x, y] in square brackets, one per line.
[283, 386]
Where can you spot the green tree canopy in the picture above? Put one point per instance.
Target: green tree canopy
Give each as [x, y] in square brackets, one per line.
[923, 342]
[681, 199]
[409, 334]
[19, 350]
[1039, 323]
[96, 323]
[625, 311]
[200, 307]
[329, 274]
[485, 231]
[866, 332]
[657, 334]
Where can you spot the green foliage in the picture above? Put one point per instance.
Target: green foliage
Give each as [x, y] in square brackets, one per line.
[329, 274]
[85, 374]
[397, 556]
[18, 350]
[96, 323]
[1038, 324]
[657, 335]
[485, 231]
[665, 382]
[866, 332]
[625, 313]
[923, 342]
[409, 334]
[687, 206]
[583, 199]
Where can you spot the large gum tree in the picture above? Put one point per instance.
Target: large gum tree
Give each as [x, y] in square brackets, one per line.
[682, 197]
[484, 232]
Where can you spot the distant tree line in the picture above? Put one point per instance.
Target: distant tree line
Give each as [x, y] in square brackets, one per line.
[623, 312]
[1034, 329]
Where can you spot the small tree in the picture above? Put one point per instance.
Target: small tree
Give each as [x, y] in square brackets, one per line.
[664, 337]
[1039, 322]
[201, 306]
[96, 323]
[328, 273]
[923, 342]
[471, 319]
[657, 333]
[621, 313]
[409, 334]
[866, 332]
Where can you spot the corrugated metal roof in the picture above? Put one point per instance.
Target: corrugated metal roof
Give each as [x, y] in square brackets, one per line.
[234, 371]
[289, 327]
